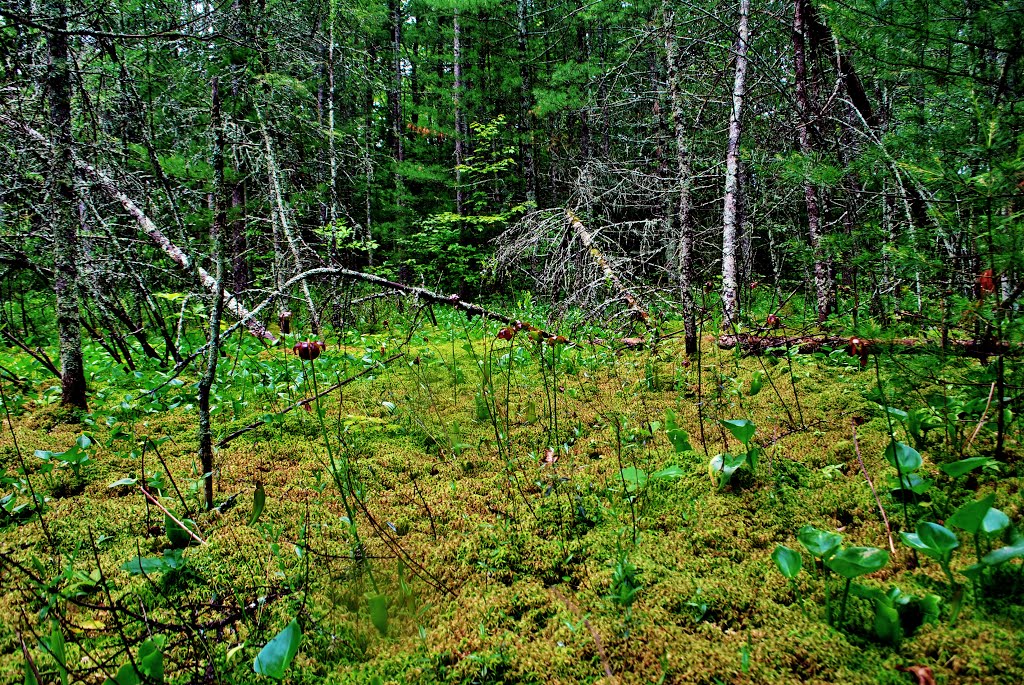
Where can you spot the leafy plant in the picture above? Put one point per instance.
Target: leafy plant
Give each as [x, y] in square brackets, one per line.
[854, 562]
[276, 656]
[938, 543]
[148, 667]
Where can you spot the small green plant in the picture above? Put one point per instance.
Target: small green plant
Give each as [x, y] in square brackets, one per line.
[723, 466]
[625, 582]
[898, 614]
[826, 547]
[276, 656]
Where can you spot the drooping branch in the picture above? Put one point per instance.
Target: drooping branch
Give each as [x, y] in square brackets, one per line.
[587, 238]
[179, 256]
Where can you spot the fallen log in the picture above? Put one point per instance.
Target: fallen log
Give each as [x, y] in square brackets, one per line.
[808, 344]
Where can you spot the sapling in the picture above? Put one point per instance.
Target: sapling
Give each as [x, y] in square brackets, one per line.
[789, 563]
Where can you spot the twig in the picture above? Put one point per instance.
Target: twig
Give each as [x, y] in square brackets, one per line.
[864, 470]
[981, 421]
[593, 633]
[171, 516]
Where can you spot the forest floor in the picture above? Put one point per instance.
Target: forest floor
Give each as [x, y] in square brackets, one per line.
[523, 513]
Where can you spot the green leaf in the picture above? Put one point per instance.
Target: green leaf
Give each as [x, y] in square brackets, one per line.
[854, 562]
[1004, 554]
[177, 535]
[168, 562]
[54, 646]
[259, 501]
[151, 658]
[995, 522]
[126, 675]
[123, 481]
[964, 466]
[673, 471]
[741, 429]
[908, 458]
[756, 382]
[819, 543]
[679, 438]
[887, 624]
[933, 540]
[633, 477]
[274, 659]
[379, 612]
[970, 516]
[788, 561]
[722, 467]
[30, 676]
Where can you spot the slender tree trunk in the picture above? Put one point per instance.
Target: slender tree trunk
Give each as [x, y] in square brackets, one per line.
[457, 99]
[525, 102]
[822, 277]
[683, 235]
[282, 221]
[332, 213]
[730, 213]
[217, 245]
[395, 94]
[66, 249]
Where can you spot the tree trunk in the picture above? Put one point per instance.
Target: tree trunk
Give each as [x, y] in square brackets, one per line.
[682, 260]
[457, 100]
[66, 249]
[217, 246]
[822, 268]
[525, 100]
[730, 212]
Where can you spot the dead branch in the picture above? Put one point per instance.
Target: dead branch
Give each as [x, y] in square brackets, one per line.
[755, 344]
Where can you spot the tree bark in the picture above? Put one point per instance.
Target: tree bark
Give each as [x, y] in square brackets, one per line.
[730, 212]
[822, 268]
[217, 247]
[66, 248]
[682, 260]
[457, 101]
[525, 101]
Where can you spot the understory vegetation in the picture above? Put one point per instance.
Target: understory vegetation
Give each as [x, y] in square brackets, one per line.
[478, 506]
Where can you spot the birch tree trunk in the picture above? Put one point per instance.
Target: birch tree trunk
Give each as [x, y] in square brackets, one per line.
[457, 100]
[278, 210]
[683, 236]
[730, 212]
[822, 278]
[66, 248]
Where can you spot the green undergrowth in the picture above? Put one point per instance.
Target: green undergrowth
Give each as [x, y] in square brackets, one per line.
[494, 510]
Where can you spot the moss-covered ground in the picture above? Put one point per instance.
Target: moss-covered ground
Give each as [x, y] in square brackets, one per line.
[519, 506]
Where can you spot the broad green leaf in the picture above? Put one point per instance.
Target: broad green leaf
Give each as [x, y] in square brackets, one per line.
[30, 676]
[177, 535]
[168, 562]
[820, 543]
[788, 561]
[741, 429]
[722, 467]
[633, 477]
[379, 612]
[126, 675]
[887, 624]
[259, 501]
[1004, 554]
[151, 658]
[995, 522]
[908, 458]
[964, 466]
[54, 646]
[933, 540]
[756, 382]
[854, 562]
[123, 481]
[970, 516]
[673, 471]
[911, 481]
[679, 438]
[274, 659]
